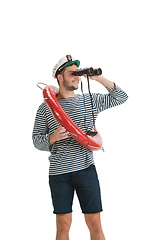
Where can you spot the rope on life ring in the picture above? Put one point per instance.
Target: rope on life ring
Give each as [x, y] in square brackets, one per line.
[93, 143]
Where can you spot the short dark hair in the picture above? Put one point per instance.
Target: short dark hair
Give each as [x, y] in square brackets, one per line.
[61, 73]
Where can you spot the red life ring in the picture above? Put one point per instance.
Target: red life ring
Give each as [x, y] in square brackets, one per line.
[93, 143]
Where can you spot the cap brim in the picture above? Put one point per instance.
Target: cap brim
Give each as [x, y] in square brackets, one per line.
[72, 62]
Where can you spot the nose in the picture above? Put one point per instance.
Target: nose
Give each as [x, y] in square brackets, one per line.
[77, 77]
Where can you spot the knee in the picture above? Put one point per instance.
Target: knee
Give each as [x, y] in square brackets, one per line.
[95, 227]
[63, 225]
[94, 224]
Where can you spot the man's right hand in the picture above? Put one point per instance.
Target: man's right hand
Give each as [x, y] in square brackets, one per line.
[59, 134]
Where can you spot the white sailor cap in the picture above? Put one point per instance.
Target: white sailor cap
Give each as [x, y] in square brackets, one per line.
[63, 63]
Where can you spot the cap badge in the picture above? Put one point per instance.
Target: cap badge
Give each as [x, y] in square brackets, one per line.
[69, 58]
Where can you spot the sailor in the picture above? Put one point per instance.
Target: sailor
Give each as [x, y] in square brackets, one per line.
[72, 168]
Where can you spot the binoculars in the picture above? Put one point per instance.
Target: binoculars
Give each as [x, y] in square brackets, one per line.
[88, 72]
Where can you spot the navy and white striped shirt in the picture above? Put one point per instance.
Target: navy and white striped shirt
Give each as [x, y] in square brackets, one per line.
[68, 155]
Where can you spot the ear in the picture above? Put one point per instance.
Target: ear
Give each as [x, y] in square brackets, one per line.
[60, 78]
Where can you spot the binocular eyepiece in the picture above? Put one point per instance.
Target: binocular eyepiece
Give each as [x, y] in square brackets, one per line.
[88, 72]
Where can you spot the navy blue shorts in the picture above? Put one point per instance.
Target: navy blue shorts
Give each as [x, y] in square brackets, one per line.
[84, 182]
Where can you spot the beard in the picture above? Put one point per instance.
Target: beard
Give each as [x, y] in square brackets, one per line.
[68, 86]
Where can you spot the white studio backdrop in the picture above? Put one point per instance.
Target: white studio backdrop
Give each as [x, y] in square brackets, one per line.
[122, 38]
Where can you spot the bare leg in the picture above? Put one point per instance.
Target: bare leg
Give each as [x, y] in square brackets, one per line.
[93, 222]
[63, 226]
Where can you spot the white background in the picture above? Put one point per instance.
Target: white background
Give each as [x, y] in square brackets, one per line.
[121, 37]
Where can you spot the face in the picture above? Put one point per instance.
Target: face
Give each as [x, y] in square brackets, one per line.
[70, 81]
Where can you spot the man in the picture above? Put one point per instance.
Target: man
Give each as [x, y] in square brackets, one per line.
[71, 164]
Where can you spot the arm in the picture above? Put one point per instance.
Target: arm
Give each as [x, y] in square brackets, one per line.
[40, 134]
[105, 82]
[115, 97]
[41, 139]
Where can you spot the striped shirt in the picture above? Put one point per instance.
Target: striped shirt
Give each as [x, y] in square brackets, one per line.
[68, 155]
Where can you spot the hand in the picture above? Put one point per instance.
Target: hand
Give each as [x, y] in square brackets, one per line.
[94, 77]
[105, 82]
[59, 134]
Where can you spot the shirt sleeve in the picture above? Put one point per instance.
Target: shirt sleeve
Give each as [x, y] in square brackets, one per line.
[114, 98]
[40, 134]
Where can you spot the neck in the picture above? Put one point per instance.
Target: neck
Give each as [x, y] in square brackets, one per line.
[65, 94]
